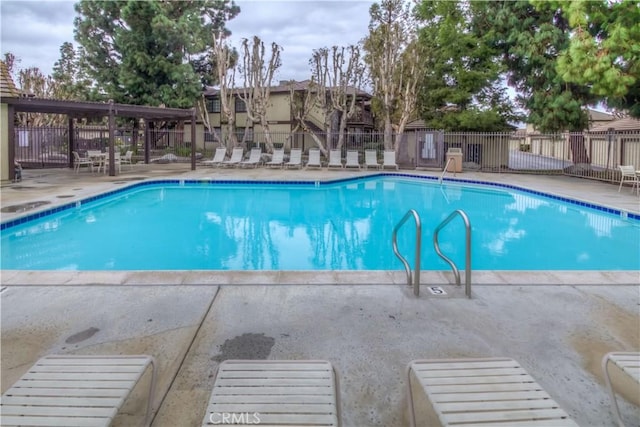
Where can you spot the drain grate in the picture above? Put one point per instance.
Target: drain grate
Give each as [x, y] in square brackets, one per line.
[23, 207]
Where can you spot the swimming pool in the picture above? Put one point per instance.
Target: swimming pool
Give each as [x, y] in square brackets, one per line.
[340, 225]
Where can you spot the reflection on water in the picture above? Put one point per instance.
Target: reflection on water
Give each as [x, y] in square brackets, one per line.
[328, 227]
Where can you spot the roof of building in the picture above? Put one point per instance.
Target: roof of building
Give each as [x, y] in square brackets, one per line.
[599, 116]
[284, 86]
[625, 124]
[8, 88]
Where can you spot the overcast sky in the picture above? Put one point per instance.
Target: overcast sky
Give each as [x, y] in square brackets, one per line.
[34, 30]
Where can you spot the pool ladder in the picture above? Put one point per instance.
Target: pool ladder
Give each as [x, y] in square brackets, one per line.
[415, 277]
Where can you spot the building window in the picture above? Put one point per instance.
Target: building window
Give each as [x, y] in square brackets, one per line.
[240, 134]
[211, 136]
[213, 105]
[241, 107]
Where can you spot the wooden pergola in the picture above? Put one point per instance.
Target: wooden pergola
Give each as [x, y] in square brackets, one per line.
[79, 109]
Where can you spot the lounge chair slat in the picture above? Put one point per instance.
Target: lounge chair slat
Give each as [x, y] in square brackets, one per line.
[89, 368]
[49, 360]
[418, 366]
[125, 385]
[255, 382]
[478, 380]
[87, 376]
[278, 366]
[302, 398]
[498, 405]
[628, 362]
[478, 397]
[65, 392]
[94, 402]
[483, 388]
[274, 408]
[8, 421]
[521, 415]
[278, 374]
[471, 373]
[298, 419]
[273, 390]
[565, 422]
[52, 411]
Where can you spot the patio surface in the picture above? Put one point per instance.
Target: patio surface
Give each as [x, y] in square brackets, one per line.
[369, 325]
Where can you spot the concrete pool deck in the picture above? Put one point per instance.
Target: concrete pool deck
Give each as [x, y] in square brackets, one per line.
[369, 325]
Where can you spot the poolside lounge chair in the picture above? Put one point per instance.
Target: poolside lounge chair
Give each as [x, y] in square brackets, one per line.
[277, 159]
[295, 159]
[255, 157]
[70, 390]
[116, 162]
[371, 159]
[79, 161]
[627, 363]
[335, 159]
[236, 157]
[218, 157]
[495, 391]
[314, 159]
[126, 159]
[389, 160]
[352, 160]
[629, 175]
[275, 393]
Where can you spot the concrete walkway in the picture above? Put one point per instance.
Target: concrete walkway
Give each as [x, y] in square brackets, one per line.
[369, 325]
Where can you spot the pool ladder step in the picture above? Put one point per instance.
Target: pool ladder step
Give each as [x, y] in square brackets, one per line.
[414, 279]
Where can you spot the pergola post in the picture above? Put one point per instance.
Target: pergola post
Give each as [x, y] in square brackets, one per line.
[193, 139]
[112, 140]
[147, 141]
[72, 142]
[11, 149]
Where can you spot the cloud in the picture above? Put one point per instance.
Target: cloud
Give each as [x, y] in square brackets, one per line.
[35, 30]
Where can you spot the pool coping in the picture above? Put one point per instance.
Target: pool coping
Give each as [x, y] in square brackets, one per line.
[292, 277]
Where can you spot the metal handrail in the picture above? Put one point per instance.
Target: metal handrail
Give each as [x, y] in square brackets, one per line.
[436, 244]
[446, 167]
[416, 275]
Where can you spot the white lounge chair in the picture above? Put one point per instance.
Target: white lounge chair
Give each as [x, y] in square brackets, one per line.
[295, 159]
[314, 159]
[218, 157]
[116, 162]
[277, 158]
[495, 391]
[71, 390]
[80, 161]
[352, 160]
[335, 159]
[127, 159]
[371, 159]
[236, 157]
[389, 160]
[275, 393]
[255, 157]
[627, 363]
[629, 175]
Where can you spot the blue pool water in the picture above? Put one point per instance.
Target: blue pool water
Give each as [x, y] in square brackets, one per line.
[343, 225]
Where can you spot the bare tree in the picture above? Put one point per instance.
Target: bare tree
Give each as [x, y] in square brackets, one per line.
[224, 55]
[257, 79]
[304, 99]
[344, 84]
[32, 81]
[204, 116]
[391, 60]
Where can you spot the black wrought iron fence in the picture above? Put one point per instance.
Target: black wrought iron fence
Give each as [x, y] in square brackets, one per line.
[594, 155]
